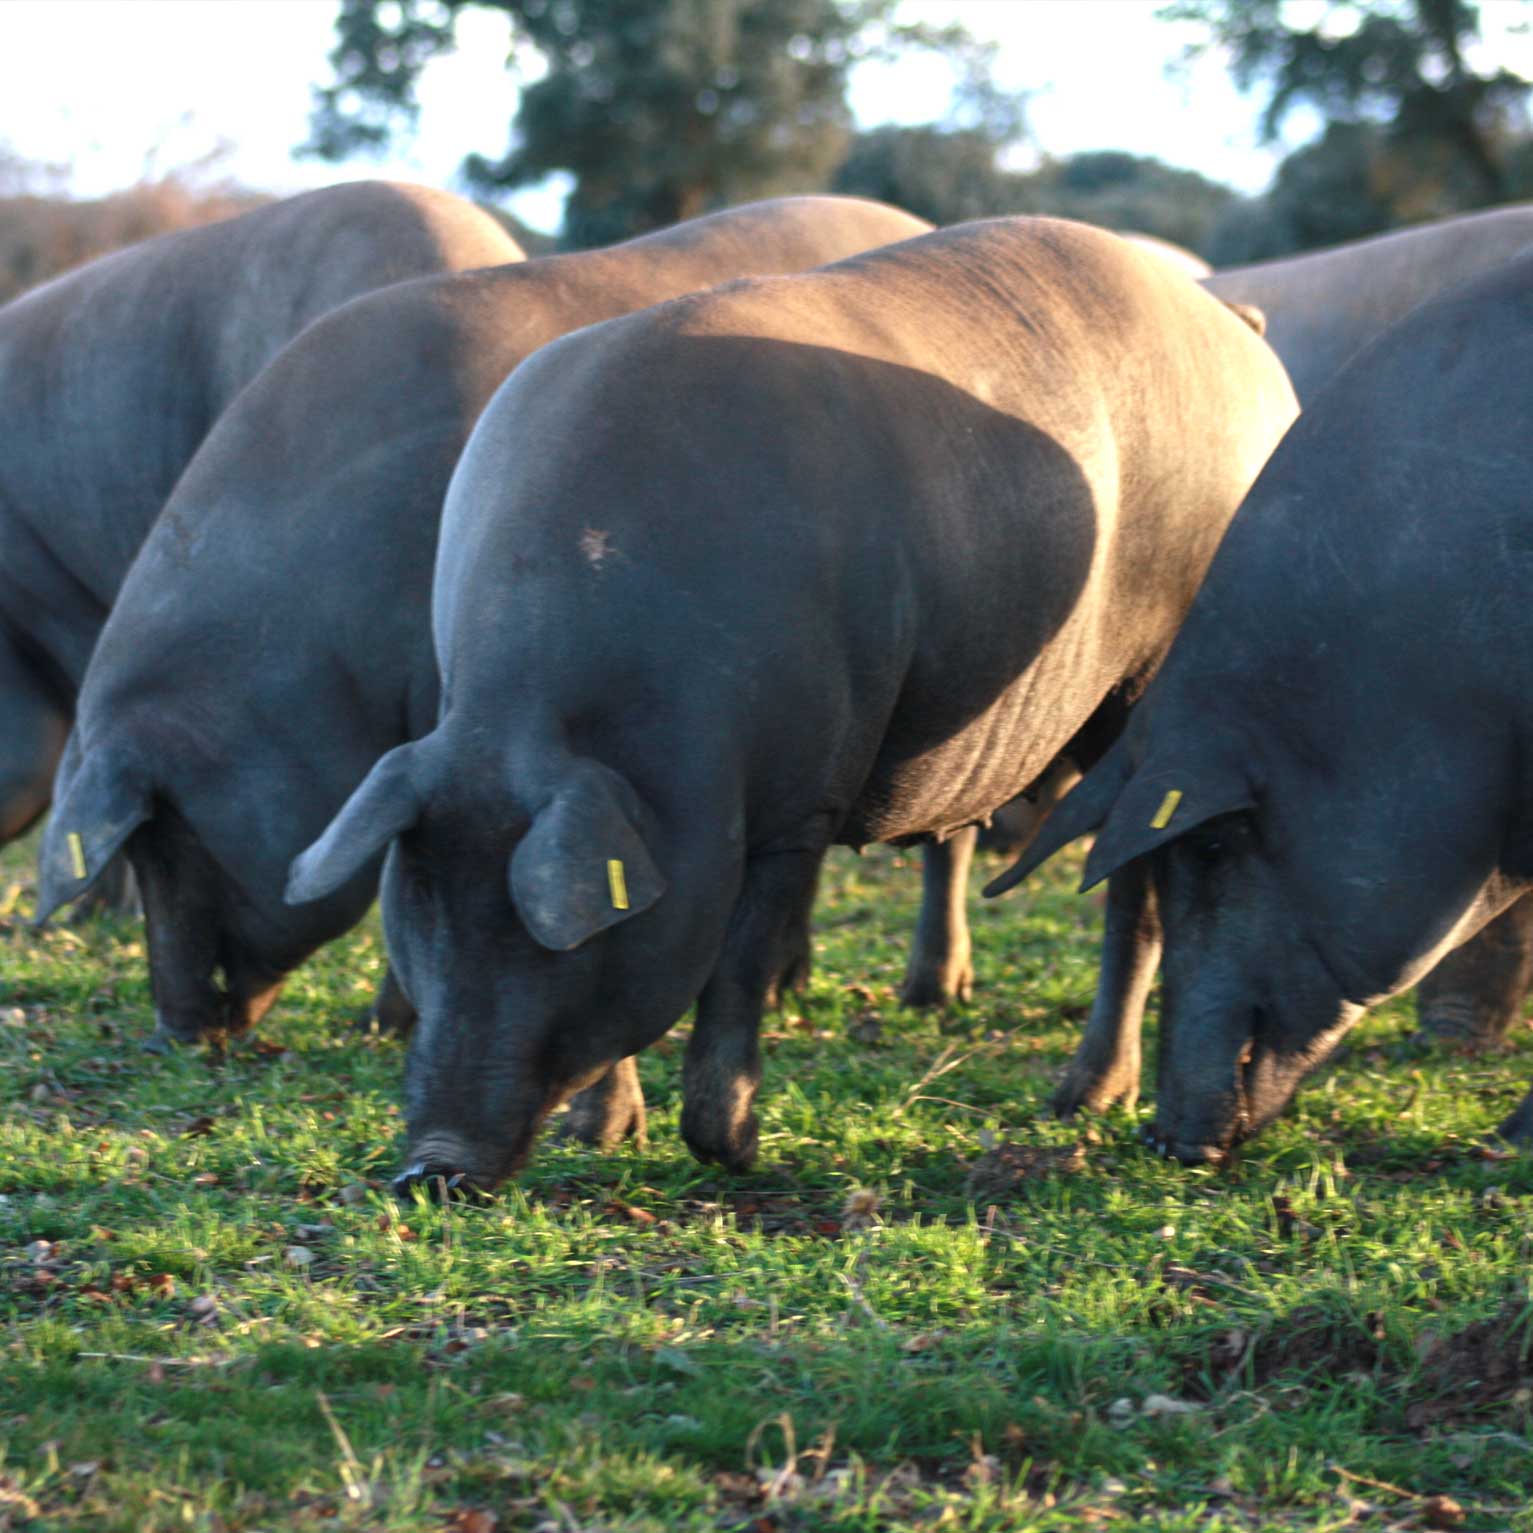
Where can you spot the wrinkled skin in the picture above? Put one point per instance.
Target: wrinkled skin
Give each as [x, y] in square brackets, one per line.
[1321, 309]
[110, 377]
[293, 494]
[1353, 793]
[940, 971]
[837, 558]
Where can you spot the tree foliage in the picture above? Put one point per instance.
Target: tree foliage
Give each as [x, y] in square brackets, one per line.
[1126, 191]
[952, 175]
[943, 174]
[1414, 129]
[659, 109]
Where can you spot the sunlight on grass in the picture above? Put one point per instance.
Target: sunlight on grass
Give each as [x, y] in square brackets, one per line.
[217, 1318]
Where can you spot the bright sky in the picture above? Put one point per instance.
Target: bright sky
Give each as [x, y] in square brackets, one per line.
[110, 87]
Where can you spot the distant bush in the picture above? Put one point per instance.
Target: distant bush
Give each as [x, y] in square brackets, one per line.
[43, 234]
[948, 175]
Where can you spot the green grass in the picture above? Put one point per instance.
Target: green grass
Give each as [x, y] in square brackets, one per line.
[632, 1341]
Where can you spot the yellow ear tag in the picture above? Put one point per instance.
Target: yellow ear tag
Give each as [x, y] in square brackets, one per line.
[617, 883]
[76, 853]
[1167, 809]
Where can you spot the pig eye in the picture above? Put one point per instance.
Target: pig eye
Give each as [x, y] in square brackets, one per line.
[1218, 838]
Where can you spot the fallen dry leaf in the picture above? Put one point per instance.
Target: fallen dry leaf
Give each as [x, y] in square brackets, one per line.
[860, 1211]
[622, 1210]
[1443, 1512]
[473, 1520]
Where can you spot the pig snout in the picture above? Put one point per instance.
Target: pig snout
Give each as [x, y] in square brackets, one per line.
[1190, 1152]
[1198, 1121]
[446, 1169]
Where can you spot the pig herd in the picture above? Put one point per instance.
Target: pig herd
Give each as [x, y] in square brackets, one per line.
[585, 602]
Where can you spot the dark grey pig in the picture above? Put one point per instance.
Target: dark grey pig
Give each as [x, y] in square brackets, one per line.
[1321, 309]
[273, 640]
[1326, 305]
[110, 377]
[836, 558]
[1329, 781]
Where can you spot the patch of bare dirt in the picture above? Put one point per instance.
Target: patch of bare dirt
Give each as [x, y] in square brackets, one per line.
[1312, 1340]
[1008, 1168]
[1481, 1371]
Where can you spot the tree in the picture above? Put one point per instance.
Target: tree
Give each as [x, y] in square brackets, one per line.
[948, 175]
[1131, 192]
[1442, 131]
[1339, 188]
[945, 175]
[659, 109]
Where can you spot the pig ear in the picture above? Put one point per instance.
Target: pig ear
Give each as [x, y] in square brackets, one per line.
[98, 801]
[387, 804]
[583, 866]
[1080, 811]
[1162, 802]
[1254, 317]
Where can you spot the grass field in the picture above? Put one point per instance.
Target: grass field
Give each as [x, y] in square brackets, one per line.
[930, 1307]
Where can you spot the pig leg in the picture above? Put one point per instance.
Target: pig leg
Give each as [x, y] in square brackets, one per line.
[793, 962]
[723, 1063]
[1518, 1129]
[33, 729]
[613, 1109]
[939, 970]
[115, 893]
[391, 1011]
[32, 733]
[1105, 1068]
[609, 1112]
[1474, 996]
[204, 988]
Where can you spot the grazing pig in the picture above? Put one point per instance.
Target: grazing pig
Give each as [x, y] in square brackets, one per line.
[1321, 309]
[274, 638]
[939, 969]
[110, 377]
[1328, 783]
[842, 557]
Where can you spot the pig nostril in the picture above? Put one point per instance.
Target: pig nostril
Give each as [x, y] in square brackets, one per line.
[417, 1174]
[441, 1184]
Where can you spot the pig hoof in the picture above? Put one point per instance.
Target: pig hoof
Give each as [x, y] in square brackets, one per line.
[733, 1147]
[1518, 1129]
[1471, 1034]
[1188, 1151]
[791, 979]
[605, 1126]
[1088, 1091]
[937, 986]
[161, 1041]
[374, 1023]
